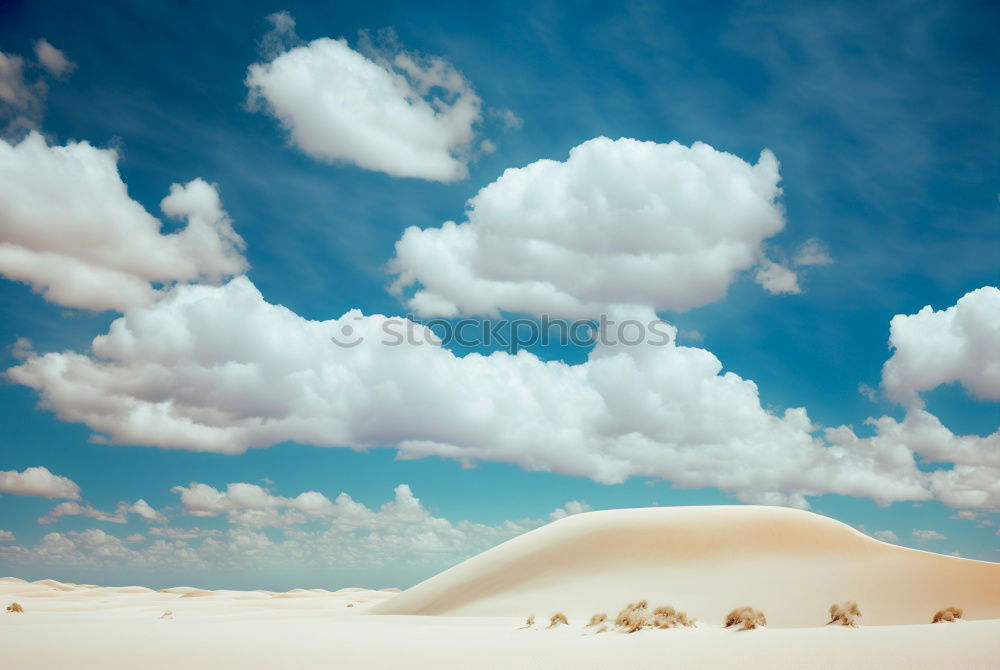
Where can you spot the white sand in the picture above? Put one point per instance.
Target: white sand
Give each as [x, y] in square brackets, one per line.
[792, 565]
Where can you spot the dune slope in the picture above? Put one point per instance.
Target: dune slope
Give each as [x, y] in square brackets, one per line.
[706, 560]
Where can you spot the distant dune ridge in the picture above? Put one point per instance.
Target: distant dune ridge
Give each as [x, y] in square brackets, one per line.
[706, 560]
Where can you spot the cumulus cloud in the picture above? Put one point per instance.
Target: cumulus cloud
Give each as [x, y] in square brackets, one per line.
[39, 482]
[619, 223]
[22, 97]
[569, 509]
[52, 59]
[6, 536]
[776, 278]
[885, 536]
[121, 514]
[959, 344]
[69, 229]
[219, 369]
[927, 535]
[387, 109]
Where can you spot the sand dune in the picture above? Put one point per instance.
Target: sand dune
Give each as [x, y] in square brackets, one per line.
[706, 560]
[790, 564]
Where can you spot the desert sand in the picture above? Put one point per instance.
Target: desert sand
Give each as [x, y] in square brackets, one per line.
[792, 565]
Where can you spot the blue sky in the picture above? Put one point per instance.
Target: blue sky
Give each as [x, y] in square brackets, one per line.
[883, 120]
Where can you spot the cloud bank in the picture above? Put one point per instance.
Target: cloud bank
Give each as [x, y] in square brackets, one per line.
[219, 369]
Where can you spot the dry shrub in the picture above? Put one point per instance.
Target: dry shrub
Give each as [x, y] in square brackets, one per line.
[15, 608]
[529, 622]
[600, 617]
[167, 615]
[350, 604]
[634, 617]
[602, 629]
[950, 613]
[558, 618]
[668, 617]
[845, 614]
[746, 617]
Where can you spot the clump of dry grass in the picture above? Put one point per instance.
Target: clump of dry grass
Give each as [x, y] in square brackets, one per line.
[668, 617]
[950, 613]
[557, 619]
[845, 614]
[746, 617]
[167, 615]
[634, 617]
[529, 622]
[15, 608]
[600, 617]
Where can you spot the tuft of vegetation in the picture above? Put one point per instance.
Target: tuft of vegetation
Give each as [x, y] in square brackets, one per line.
[668, 617]
[167, 615]
[600, 617]
[529, 622]
[15, 608]
[634, 617]
[746, 618]
[557, 619]
[948, 614]
[845, 614]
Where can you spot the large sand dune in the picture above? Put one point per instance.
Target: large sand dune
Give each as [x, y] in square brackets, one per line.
[791, 564]
[706, 560]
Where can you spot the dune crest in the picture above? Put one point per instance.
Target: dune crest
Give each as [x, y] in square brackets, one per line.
[705, 560]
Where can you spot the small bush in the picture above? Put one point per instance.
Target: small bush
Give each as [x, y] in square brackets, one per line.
[950, 613]
[746, 617]
[600, 617]
[529, 622]
[558, 618]
[845, 614]
[634, 617]
[15, 608]
[668, 617]
[167, 615]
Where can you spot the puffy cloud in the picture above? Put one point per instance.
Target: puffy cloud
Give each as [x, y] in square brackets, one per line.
[39, 482]
[6, 536]
[219, 369]
[388, 110]
[569, 509]
[777, 278]
[69, 229]
[885, 536]
[140, 508]
[508, 118]
[619, 223]
[52, 59]
[959, 344]
[927, 535]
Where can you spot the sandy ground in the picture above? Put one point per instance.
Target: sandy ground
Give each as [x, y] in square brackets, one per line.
[706, 558]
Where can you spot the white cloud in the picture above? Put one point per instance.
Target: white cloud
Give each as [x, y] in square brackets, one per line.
[339, 533]
[620, 223]
[569, 509]
[6, 536]
[389, 110]
[965, 515]
[885, 536]
[776, 278]
[69, 229]
[52, 59]
[219, 369]
[927, 535]
[812, 252]
[120, 515]
[959, 344]
[39, 482]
